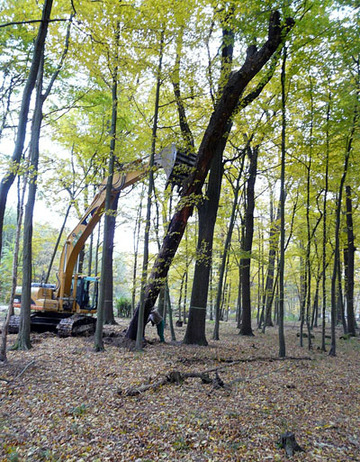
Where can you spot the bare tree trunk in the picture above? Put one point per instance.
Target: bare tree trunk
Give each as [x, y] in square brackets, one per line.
[246, 328]
[195, 331]
[136, 235]
[108, 236]
[280, 319]
[269, 283]
[335, 274]
[226, 248]
[109, 287]
[349, 265]
[23, 340]
[10, 311]
[324, 254]
[141, 321]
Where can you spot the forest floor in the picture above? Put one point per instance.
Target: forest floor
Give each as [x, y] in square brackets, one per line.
[62, 401]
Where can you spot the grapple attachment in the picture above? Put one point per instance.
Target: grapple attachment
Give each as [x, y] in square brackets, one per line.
[177, 164]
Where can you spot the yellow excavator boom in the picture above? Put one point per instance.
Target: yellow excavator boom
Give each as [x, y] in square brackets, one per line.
[76, 239]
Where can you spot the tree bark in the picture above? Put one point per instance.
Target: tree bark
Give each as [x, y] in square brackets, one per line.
[282, 347]
[23, 340]
[324, 234]
[10, 311]
[246, 328]
[269, 283]
[108, 236]
[349, 265]
[195, 331]
[109, 283]
[226, 250]
[222, 114]
[334, 276]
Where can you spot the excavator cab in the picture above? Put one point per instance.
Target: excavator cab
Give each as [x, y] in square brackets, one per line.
[86, 292]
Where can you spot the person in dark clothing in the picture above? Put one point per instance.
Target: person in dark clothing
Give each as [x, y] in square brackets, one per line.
[156, 319]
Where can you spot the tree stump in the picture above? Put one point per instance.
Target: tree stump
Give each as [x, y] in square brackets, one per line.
[288, 442]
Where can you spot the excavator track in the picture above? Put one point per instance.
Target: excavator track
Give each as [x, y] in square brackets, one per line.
[76, 325]
[14, 325]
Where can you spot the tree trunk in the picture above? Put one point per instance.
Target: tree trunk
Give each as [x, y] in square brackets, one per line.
[108, 235]
[23, 340]
[246, 328]
[348, 151]
[170, 312]
[324, 253]
[9, 177]
[226, 250]
[280, 319]
[349, 265]
[335, 274]
[224, 111]
[109, 283]
[10, 311]
[195, 331]
[136, 235]
[315, 311]
[141, 321]
[269, 283]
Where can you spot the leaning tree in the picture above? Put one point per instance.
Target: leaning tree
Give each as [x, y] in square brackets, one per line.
[223, 113]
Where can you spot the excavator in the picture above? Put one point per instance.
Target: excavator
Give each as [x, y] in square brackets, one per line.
[66, 307]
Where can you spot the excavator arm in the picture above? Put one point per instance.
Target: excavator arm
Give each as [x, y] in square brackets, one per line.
[176, 164]
[78, 236]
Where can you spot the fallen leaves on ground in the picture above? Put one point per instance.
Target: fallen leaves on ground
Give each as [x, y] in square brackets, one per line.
[66, 406]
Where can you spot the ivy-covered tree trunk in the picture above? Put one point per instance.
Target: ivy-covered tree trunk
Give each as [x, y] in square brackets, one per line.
[9, 177]
[216, 130]
[245, 328]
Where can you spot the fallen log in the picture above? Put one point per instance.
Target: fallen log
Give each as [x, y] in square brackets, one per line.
[179, 377]
[173, 377]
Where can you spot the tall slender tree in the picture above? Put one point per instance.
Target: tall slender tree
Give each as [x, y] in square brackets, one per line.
[282, 347]
[246, 328]
[9, 177]
[106, 261]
